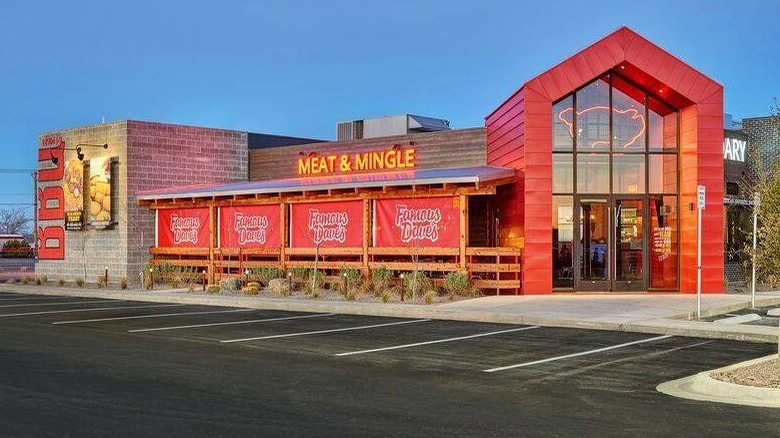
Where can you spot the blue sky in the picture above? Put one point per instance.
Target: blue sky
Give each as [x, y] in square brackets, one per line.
[297, 67]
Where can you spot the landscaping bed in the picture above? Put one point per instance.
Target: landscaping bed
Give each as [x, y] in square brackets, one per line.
[765, 374]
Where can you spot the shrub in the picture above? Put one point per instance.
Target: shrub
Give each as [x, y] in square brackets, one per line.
[314, 281]
[298, 275]
[250, 290]
[38, 280]
[80, 282]
[255, 284]
[25, 279]
[123, 282]
[174, 281]
[387, 294]
[279, 286]
[429, 296]
[191, 287]
[213, 289]
[172, 275]
[415, 283]
[264, 275]
[61, 282]
[457, 284]
[101, 281]
[314, 294]
[229, 284]
[354, 282]
[381, 279]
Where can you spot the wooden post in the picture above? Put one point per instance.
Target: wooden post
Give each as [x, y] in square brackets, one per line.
[367, 233]
[464, 230]
[212, 241]
[283, 237]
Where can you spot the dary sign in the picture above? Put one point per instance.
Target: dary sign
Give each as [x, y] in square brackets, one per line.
[734, 149]
[392, 159]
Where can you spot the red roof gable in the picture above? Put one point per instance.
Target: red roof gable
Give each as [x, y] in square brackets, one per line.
[636, 58]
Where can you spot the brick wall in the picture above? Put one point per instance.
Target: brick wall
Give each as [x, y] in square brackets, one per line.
[88, 252]
[149, 156]
[163, 155]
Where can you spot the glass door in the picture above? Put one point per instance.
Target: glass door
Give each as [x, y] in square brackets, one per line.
[629, 244]
[611, 244]
[593, 238]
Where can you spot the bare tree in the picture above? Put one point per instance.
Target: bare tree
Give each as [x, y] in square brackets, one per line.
[15, 220]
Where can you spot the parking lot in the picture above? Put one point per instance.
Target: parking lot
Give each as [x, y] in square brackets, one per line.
[84, 367]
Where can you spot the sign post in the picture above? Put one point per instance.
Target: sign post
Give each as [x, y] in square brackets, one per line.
[756, 201]
[700, 195]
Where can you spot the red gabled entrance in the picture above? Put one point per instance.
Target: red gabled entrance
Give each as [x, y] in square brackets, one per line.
[519, 135]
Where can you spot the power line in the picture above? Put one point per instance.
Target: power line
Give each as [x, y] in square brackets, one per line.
[17, 170]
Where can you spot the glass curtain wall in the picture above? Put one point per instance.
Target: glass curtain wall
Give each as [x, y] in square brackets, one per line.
[614, 140]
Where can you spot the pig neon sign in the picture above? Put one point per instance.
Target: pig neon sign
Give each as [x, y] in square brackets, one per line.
[632, 115]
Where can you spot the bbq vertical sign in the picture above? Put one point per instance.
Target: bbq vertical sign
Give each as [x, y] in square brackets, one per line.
[51, 200]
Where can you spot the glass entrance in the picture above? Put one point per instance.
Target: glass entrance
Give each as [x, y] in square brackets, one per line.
[610, 244]
[629, 245]
[594, 244]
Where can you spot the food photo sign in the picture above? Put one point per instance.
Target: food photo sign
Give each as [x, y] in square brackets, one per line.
[100, 192]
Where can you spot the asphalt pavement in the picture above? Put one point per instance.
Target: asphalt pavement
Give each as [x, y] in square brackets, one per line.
[96, 367]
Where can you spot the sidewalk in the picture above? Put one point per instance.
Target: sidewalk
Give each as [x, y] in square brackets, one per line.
[642, 313]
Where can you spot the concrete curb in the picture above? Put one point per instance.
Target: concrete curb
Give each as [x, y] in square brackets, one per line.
[674, 327]
[715, 311]
[704, 388]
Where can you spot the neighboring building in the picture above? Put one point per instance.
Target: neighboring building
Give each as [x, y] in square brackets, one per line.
[764, 135]
[584, 179]
[4, 238]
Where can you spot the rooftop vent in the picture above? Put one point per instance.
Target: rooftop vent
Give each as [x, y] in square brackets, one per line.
[387, 126]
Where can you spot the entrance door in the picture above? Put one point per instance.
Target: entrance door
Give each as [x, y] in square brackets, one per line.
[611, 244]
[630, 244]
[594, 243]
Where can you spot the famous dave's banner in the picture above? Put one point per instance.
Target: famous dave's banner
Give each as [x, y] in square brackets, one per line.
[249, 227]
[420, 222]
[100, 192]
[73, 191]
[183, 228]
[327, 224]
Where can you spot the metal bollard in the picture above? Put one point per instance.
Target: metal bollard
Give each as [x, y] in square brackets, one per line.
[151, 278]
[106, 276]
[402, 287]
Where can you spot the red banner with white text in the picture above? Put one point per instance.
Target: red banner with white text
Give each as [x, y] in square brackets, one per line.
[417, 222]
[327, 224]
[183, 228]
[254, 226]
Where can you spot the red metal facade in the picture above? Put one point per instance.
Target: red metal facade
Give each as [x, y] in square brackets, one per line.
[519, 135]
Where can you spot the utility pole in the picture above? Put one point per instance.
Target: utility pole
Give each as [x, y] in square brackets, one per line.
[34, 175]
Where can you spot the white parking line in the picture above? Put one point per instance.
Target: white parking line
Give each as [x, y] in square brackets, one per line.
[460, 338]
[31, 298]
[95, 309]
[598, 350]
[285, 318]
[120, 318]
[61, 303]
[346, 329]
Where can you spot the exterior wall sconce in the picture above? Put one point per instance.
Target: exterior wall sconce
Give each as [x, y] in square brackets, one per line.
[79, 153]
